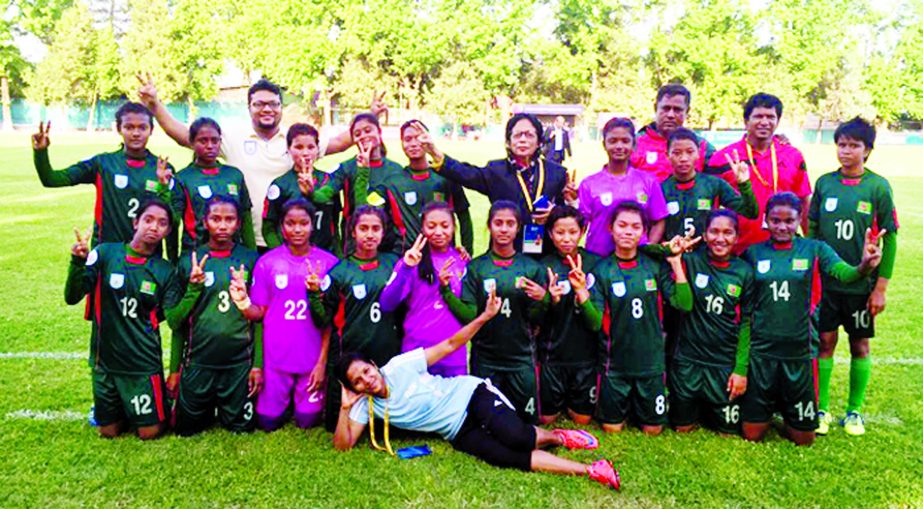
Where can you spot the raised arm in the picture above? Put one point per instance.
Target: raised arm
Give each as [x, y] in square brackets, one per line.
[147, 93]
[81, 273]
[440, 350]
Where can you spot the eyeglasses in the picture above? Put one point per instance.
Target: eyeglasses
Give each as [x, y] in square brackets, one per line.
[258, 105]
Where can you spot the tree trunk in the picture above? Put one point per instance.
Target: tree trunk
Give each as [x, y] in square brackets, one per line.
[7, 108]
[91, 119]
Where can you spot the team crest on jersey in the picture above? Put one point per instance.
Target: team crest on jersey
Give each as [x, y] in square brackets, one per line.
[800, 264]
[116, 280]
[281, 281]
[250, 147]
[148, 287]
[703, 204]
[437, 196]
[359, 291]
[763, 266]
[490, 285]
[121, 181]
[92, 257]
[565, 286]
[590, 281]
[232, 189]
[650, 285]
[642, 197]
[733, 290]
[325, 283]
[273, 192]
[209, 278]
[830, 204]
[619, 289]
[150, 186]
[701, 280]
[651, 157]
[205, 192]
[605, 199]
[410, 197]
[673, 207]
[864, 207]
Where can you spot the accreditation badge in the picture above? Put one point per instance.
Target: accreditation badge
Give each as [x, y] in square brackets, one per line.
[533, 235]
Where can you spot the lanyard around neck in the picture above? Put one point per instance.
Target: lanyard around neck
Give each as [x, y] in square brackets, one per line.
[539, 189]
[775, 166]
[377, 447]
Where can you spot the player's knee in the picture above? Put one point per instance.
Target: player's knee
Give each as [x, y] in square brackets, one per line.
[614, 428]
[828, 341]
[801, 437]
[581, 419]
[548, 419]
[859, 348]
[754, 432]
[149, 432]
[685, 429]
[110, 431]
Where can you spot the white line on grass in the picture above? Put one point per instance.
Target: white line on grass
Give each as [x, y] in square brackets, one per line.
[47, 415]
[43, 355]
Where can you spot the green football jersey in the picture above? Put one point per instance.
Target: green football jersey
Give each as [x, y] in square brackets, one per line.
[782, 298]
[326, 234]
[344, 179]
[630, 296]
[129, 295]
[407, 192]
[722, 294]
[842, 208]
[216, 333]
[565, 338]
[689, 203]
[122, 184]
[351, 292]
[506, 340]
[194, 187]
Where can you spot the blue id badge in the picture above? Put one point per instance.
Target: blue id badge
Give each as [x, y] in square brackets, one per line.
[413, 451]
[541, 203]
[532, 237]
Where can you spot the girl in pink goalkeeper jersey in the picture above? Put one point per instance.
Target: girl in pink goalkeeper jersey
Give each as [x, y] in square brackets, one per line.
[295, 350]
[431, 266]
[618, 181]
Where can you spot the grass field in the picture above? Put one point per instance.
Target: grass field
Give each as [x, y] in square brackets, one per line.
[52, 458]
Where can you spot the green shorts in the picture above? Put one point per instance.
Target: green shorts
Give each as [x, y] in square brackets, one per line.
[202, 391]
[567, 387]
[140, 400]
[785, 386]
[698, 393]
[850, 311]
[518, 384]
[639, 398]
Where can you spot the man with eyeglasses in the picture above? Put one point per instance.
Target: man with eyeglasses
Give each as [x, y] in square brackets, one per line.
[259, 149]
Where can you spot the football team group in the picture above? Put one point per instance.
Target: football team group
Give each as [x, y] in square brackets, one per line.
[709, 289]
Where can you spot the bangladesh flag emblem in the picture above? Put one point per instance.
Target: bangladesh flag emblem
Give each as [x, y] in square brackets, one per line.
[148, 287]
[800, 264]
[232, 189]
[650, 285]
[150, 185]
[733, 290]
[864, 207]
[704, 204]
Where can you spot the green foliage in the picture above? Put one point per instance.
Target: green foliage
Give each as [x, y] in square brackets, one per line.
[39, 17]
[458, 89]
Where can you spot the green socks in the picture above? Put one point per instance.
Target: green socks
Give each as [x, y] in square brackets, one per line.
[824, 374]
[860, 372]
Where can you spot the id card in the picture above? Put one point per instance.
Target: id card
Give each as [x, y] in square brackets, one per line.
[532, 238]
[414, 451]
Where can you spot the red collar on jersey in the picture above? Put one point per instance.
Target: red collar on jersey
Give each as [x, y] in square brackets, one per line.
[135, 163]
[368, 265]
[423, 175]
[211, 171]
[718, 263]
[627, 264]
[851, 181]
[687, 185]
[135, 260]
[782, 246]
[219, 254]
[376, 163]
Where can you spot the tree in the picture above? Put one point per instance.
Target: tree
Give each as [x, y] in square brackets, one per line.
[64, 76]
[39, 17]
[12, 66]
[458, 93]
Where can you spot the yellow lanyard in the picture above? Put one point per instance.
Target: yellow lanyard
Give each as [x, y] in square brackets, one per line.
[775, 166]
[525, 188]
[377, 447]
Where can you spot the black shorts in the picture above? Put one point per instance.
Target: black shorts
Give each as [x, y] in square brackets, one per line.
[698, 393]
[640, 398]
[518, 383]
[493, 432]
[203, 390]
[785, 386]
[850, 311]
[567, 387]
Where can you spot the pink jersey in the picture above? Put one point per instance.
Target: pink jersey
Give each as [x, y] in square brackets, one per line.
[291, 341]
[650, 153]
[793, 177]
[601, 192]
[428, 320]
